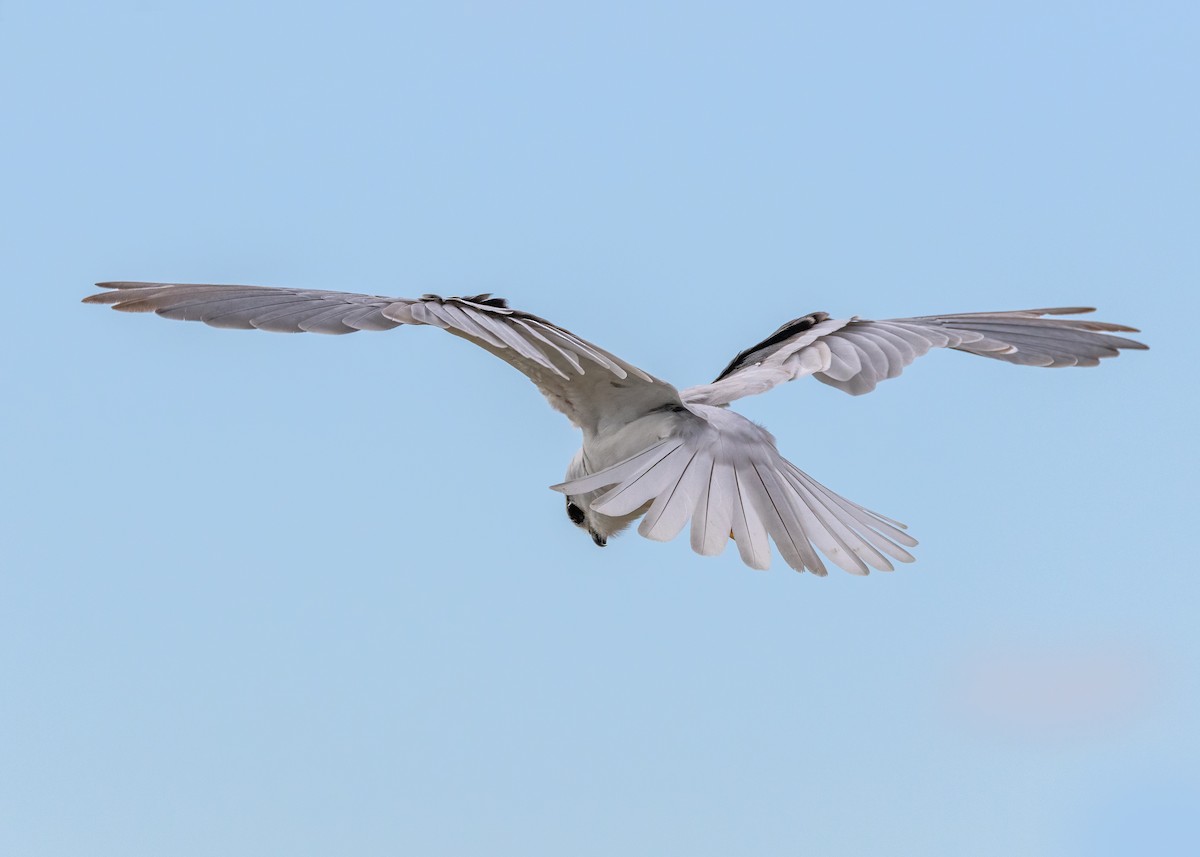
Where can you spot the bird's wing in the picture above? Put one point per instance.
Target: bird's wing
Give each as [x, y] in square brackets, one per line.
[723, 472]
[579, 379]
[855, 354]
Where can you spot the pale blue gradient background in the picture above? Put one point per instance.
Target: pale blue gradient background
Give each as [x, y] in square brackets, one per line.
[310, 595]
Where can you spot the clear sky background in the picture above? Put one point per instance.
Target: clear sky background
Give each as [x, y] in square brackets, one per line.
[309, 595]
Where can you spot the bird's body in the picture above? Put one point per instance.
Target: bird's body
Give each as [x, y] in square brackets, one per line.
[665, 455]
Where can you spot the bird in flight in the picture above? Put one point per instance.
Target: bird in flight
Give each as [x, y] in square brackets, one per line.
[669, 455]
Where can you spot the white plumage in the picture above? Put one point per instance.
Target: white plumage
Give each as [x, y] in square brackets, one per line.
[665, 455]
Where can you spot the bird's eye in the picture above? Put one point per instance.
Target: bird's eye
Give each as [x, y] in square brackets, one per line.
[574, 513]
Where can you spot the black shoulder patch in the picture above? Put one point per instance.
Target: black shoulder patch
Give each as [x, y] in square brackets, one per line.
[755, 353]
[484, 299]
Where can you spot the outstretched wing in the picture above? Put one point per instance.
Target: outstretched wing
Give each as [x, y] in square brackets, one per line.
[856, 354]
[722, 472]
[579, 379]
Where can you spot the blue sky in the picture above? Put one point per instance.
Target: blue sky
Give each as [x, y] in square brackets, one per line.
[310, 595]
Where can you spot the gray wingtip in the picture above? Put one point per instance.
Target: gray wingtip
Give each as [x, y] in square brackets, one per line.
[97, 297]
[110, 291]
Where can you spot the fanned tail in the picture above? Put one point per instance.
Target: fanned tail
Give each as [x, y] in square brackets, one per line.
[723, 473]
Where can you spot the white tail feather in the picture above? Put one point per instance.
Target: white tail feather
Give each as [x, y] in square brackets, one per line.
[723, 473]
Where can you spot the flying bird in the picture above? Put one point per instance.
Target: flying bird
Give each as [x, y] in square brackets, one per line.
[669, 455]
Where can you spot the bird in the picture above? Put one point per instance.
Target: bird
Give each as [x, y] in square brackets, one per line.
[665, 455]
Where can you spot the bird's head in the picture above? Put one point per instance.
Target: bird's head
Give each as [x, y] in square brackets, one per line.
[579, 509]
[583, 518]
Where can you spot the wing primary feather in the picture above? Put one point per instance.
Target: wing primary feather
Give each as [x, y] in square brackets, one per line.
[215, 312]
[236, 313]
[285, 318]
[328, 321]
[370, 318]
